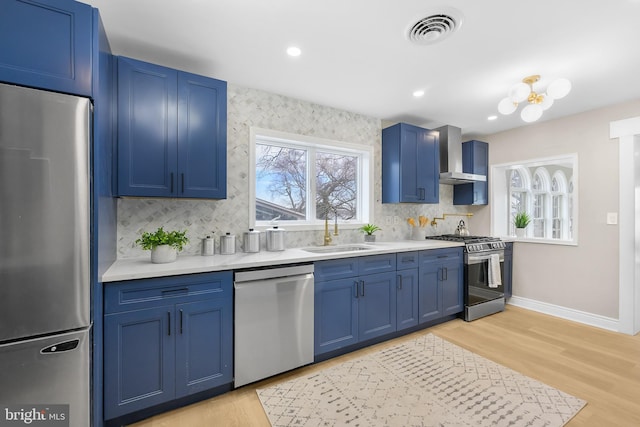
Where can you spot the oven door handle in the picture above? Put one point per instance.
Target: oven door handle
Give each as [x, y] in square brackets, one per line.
[478, 259]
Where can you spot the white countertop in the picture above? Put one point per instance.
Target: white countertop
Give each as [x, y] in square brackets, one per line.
[140, 268]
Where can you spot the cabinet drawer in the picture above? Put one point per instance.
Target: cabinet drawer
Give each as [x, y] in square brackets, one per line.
[440, 255]
[335, 269]
[146, 293]
[406, 260]
[376, 264]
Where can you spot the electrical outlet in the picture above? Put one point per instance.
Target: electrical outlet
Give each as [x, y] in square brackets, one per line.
[396, 220]
[388, 220]
[612, 218]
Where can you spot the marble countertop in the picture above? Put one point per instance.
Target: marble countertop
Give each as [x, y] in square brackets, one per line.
[141, 268]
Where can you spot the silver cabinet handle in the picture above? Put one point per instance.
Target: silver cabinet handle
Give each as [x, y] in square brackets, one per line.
[400, 281]
[169, 323]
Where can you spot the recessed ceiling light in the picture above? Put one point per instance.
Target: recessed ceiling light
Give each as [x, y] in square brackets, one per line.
[293, 51]
[492, 117]
[418, 93]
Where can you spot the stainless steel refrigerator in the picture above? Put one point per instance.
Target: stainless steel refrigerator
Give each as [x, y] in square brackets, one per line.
[44, 255]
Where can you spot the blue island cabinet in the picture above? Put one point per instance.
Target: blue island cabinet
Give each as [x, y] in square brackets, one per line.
[165, 339]
[47, 44]
[410, 164]
[355, 300]
[440, 283]
[172, 132]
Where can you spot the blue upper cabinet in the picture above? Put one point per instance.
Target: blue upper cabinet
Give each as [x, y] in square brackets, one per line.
[46, 44]
[475, 159]
[147, 129]
[410, 165]
[172, 132]
[202, 136]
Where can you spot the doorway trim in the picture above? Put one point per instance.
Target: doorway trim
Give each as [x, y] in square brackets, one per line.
[627, 132]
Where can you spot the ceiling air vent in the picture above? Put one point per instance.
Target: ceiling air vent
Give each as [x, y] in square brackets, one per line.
[434, 28]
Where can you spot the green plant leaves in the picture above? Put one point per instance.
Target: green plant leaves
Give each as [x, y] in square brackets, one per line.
[176, 239]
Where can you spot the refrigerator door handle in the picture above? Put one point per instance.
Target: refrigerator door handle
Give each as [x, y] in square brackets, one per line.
[59, 348]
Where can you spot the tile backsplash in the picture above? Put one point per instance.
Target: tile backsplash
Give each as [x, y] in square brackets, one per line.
[253, 108]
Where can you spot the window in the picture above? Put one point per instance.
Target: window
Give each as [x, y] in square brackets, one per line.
[301, 180]
[544, 188]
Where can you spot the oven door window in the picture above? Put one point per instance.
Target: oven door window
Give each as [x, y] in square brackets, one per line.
[478, 275]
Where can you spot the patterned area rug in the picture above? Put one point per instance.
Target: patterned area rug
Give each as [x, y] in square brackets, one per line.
[424, 382]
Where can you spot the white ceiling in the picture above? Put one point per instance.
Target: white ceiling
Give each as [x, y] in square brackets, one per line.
[356, 57]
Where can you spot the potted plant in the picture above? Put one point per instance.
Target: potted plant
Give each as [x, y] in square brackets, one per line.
[521, 220]
[164, 246]
[369, 229]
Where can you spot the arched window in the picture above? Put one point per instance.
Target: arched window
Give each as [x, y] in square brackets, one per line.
[559, 202]
[518, 194]
[546, 189]
[540, 202]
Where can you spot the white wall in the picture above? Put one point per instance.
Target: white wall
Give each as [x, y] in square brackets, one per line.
[583, 277]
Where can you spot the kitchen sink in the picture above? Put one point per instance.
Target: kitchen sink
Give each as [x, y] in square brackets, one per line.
[337, 249]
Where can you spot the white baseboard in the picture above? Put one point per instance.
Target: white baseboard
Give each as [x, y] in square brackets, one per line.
[567, 313]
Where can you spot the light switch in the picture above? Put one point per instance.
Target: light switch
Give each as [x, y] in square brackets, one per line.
[612, 218]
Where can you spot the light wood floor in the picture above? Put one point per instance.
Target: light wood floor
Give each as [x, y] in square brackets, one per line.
[599, 366]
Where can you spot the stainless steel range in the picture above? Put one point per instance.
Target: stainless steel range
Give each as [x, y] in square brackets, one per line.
[483, 273]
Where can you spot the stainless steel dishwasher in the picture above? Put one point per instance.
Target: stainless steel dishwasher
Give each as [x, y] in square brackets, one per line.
[273, 321]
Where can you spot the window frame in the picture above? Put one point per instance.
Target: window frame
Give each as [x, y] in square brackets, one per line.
[500, 197]
[365, 187]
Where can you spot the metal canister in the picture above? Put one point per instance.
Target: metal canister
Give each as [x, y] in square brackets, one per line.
[228, 244]
[208, 246]
[275, 239]
[251, 240]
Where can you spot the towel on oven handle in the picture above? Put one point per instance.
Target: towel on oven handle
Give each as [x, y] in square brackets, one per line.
[495, 279]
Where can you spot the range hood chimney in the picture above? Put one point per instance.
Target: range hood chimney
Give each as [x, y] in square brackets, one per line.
[451, 158]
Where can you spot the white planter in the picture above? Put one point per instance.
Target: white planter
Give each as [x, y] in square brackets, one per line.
[520, 232]
[163, 254]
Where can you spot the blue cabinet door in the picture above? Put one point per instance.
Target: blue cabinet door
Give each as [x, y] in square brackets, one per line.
[410, 165]
[429, 307]
[202, 137]
[147, 133]
[452, 287]
[46, 44]
[475, 159]
[336, 314]
[507, 273]
[204, 345]
[139, 361]
[407, 298]
[376, 305]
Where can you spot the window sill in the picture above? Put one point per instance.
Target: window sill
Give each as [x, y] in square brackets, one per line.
[543, 241]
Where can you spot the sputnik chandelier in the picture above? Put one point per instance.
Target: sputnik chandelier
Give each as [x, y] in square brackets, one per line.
[537, 102]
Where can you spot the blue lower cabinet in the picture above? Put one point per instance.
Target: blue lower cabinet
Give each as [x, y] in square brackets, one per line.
[202, 360]
[376, 305]
[336, 314]
[354, 307]
[139, 361]
[166, 338]
[440, 283]
[507, 273]
[407, 299]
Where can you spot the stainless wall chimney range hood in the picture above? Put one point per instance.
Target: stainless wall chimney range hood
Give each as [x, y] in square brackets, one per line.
[451, 158]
